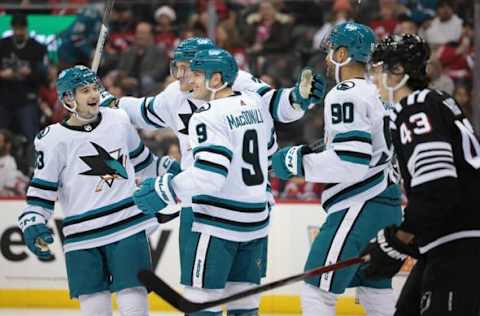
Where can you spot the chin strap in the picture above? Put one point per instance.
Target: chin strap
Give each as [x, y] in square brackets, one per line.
[212, 90]
[391, 90]
[338, 66]
[73, 110]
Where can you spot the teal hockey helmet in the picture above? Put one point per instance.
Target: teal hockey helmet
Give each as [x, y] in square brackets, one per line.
[357, 38]
[210, 61]
[72, 78]
[187, 48]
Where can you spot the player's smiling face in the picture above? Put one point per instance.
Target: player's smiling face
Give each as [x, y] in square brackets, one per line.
[88, 100]
[200, 91]
[181, 72]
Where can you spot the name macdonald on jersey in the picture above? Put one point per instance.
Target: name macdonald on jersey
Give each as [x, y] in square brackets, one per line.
[247, 117]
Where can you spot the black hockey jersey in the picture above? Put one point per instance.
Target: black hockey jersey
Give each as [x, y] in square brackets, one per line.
[439, 158]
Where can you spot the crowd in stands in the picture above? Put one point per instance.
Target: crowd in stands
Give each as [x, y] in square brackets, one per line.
[272, 39]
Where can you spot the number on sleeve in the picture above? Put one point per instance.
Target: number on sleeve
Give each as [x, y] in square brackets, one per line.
[471, 147]
[39, 161]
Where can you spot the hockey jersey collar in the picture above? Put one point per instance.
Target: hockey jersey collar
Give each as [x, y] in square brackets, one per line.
[86, 127]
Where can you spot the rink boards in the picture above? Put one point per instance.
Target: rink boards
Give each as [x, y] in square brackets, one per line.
[25, 281]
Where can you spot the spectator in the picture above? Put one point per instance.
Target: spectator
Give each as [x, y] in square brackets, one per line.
[387, 21]
[406, 25]
[23, 65]
[12, 181]
[144, 63]
[52, 110]
[457, 57]
[78, 41]
[228, 37]
[342, 12]
[464, 98]
[165, 31]
[445, 27]
[269, 30]
[438, 79]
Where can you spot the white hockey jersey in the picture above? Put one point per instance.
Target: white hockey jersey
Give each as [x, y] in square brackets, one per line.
[227, 182]
[174, 108]
[91, 171]
[358, 150]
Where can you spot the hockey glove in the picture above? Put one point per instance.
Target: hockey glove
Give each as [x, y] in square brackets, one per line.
[387, 254]
[309, 90]
[36, 234]
[287, 162]
[107, 99]
[168, 165]
[155, 194]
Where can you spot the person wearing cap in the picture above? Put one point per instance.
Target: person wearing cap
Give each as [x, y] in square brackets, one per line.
[165, 30]
[23, 67]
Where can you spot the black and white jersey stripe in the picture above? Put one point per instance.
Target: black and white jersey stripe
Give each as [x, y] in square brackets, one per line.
[431, 161]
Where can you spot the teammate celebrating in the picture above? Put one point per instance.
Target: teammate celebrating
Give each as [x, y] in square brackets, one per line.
[175, 106]
[89, 163]
[359, 198]
[438, 154]
[229, 137]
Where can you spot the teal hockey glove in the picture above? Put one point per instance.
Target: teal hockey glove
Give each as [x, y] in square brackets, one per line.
[287, 162]
[107, 99]
[168, 165]
[309, 90]
[155, 194]
[36, 234]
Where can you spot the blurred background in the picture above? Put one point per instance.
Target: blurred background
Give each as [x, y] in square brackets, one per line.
[272, 39]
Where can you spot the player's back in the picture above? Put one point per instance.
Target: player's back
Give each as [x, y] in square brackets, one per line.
[437, 144]
[355, 129]
[239, 127]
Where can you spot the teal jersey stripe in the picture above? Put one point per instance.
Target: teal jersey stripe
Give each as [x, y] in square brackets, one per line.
[360, 136]
[43, 184]
[347, 156]
[230, 225]
[229, 204]
[137, 151]
[261, 91]
[146, 109]
[98, 212]
[211, 167]
[144, 164]
[109, 229]
[274, 103]
[216, 149]
[36, 201]
[355, 189]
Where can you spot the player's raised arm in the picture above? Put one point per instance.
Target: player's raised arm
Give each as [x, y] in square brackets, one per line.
[285, 104]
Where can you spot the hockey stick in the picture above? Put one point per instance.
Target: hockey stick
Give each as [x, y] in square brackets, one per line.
[162, 289]
[165, 218]
[102, 37]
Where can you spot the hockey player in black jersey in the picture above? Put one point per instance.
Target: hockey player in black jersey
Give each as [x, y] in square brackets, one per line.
[439, 159]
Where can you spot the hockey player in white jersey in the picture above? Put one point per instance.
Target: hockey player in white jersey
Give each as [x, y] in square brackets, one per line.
[89, 164]
[355, 162]
[174, 107]
[229, 137]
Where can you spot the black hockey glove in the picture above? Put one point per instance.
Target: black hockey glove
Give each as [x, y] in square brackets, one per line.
[387, 254]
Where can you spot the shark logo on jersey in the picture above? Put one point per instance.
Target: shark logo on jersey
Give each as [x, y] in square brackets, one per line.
[106, 165]
[185, 117]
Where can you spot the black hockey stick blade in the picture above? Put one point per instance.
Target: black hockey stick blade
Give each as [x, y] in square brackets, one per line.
[165, 218]
[162, 289]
